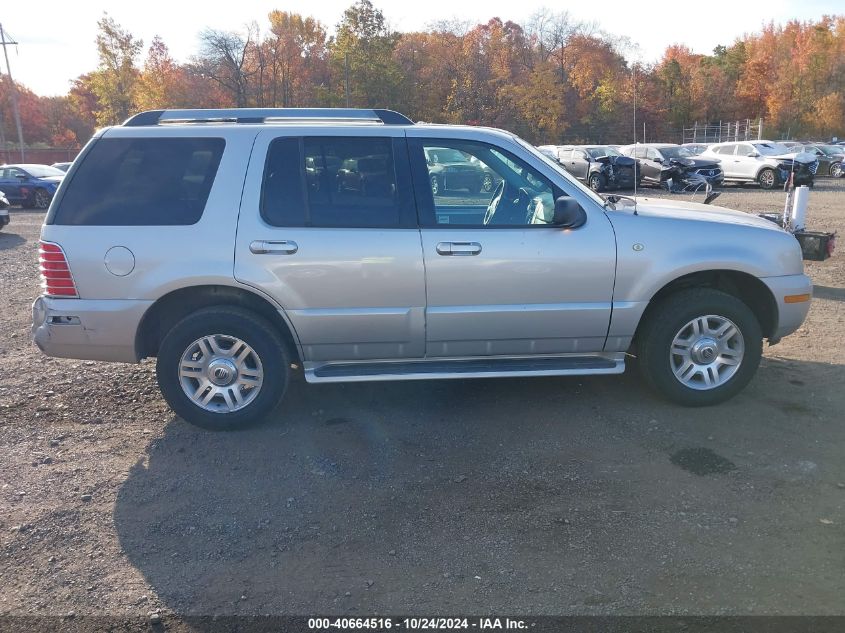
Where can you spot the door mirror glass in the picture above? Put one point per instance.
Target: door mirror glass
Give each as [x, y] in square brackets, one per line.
[568, 213]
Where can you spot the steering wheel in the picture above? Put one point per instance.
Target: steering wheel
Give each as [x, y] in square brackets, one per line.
[509, 205]
[494, 202]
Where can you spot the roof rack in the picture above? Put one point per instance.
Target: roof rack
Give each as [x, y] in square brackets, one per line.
[264, 115]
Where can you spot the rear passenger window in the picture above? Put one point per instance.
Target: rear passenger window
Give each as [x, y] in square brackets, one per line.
[141, 182]
[349, 182]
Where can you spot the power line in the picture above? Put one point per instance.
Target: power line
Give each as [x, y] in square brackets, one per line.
[14, 90]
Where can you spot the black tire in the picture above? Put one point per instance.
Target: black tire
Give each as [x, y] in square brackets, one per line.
[256, 332]
[666, 319]
[596, 182]
[767, 178]
[39, 199]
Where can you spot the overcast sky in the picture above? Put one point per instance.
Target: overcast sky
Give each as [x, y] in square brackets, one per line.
[56, 37]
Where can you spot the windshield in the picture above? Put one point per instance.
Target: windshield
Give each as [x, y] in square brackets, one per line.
[558, 168]
[772, 149]
[446, 155]
[832, 150]
[598, 152]
[43, 171]
[675, 152]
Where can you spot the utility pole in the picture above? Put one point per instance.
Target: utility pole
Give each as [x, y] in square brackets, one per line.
[346, 73]
[14, 89]
[634, 82]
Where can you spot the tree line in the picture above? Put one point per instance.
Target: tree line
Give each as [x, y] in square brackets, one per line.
[550, 80]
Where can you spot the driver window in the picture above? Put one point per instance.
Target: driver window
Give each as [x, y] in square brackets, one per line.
[653, 154]
[475, 184]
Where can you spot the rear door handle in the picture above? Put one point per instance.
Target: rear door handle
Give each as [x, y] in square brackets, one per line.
[273, 247]
[458, 248]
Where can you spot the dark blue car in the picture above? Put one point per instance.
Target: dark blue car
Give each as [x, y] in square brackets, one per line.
[31, 186]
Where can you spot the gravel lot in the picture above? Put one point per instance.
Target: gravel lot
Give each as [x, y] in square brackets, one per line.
[532, 496]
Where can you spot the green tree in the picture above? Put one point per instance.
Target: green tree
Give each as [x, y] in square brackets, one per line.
[114, 81]
[364, 44]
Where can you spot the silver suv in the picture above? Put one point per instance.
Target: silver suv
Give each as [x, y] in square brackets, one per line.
[237, 245]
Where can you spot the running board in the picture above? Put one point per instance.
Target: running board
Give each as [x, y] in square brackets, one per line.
[464, 368]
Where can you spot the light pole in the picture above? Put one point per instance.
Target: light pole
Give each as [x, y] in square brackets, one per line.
[14, 91]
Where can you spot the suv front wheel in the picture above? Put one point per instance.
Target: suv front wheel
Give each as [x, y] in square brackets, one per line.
[222, 368]
[700, 347]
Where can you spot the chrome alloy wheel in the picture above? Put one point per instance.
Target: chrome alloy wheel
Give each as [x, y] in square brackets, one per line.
[220, 373]
[706, 352]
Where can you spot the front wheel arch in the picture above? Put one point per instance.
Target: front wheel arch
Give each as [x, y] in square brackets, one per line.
[745, 287]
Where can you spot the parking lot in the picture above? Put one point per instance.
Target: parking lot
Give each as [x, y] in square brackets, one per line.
[530, 496]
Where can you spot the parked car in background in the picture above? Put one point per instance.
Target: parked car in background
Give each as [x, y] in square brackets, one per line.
[4, 210]
[62, 166]
[764, 162]
[658, 160]
[31, 186]
[452, 170]
[695, 148]
[830, 158]
[600, 166]
[548, 150]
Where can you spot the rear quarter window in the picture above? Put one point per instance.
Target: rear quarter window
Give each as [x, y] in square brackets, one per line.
[141, 182]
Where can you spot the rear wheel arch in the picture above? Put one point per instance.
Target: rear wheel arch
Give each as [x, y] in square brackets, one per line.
[744, 286]
[172, 307]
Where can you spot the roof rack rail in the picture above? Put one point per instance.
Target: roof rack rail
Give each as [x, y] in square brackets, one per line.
[263, 115]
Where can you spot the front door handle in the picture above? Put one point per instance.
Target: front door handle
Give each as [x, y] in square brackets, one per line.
[273, 247]
[458, 248]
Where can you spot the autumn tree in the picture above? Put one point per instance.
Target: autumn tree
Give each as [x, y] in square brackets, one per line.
[298, 57]
[114, 81]
[162, 80]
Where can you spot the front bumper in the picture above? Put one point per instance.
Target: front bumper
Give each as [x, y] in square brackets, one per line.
[790, 315]
[88, 329]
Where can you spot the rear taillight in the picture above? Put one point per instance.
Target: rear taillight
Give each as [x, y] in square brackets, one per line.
[56, 279]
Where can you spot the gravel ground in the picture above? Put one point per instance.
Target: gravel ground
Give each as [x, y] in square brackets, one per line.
[532, 496]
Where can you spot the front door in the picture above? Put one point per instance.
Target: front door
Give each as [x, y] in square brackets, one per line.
[500, 278]
[328, 228]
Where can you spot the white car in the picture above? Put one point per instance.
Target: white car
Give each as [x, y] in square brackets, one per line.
[764, 162]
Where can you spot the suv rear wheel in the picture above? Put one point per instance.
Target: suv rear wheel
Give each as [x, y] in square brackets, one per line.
[222, 368]
[40, 199]
[767, 178]
[700, 347]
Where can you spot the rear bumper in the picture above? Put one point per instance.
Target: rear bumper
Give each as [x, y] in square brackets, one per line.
[87, 329]
[790, 315]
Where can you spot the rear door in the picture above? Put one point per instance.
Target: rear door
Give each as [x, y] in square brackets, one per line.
[580, 164]
[510, 283]
[328, 228]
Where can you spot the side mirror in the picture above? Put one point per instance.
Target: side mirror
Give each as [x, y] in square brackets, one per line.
[20, 176]
[752, 154]
[568, 213]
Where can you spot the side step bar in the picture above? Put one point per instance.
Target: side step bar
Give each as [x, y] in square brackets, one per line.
[359, 371]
